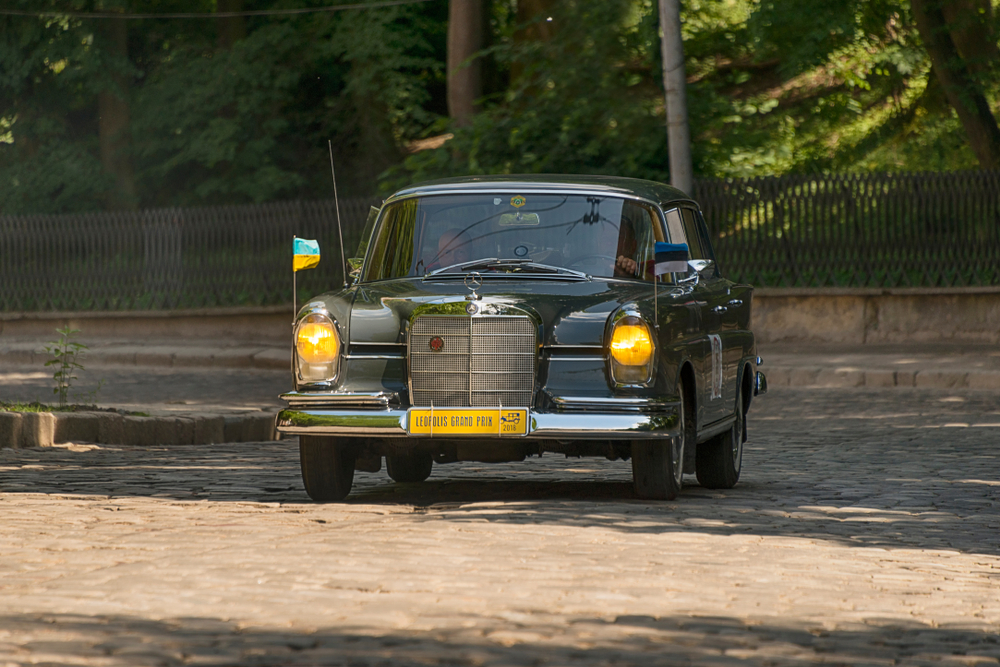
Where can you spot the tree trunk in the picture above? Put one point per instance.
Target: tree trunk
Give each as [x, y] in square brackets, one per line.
[465, 76]
[230, 29]
[114, 120]
[675, 87]
[532, 26]
[961, 89]
[970, 23]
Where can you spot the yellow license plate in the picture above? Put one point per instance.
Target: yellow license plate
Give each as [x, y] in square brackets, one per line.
[468, 421]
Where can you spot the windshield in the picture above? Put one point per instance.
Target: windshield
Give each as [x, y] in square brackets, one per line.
[597, 235]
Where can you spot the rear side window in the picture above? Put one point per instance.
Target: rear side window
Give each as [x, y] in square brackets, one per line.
[674, 226]
[698, 239]
[695, 241]
[706, 238]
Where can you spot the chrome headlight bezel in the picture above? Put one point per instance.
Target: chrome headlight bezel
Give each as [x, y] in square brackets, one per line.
[630, 376]
[323, 374]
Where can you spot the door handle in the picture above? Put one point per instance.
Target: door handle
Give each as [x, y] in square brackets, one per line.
[736, 302]
[719, 309]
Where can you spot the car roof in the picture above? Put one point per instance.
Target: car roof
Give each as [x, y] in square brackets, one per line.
[513, 183]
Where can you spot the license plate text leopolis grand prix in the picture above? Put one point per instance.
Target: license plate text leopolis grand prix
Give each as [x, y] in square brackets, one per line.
[503, 421]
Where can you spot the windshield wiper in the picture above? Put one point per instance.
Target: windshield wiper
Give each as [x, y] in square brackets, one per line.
[518, 264]
[471, 265]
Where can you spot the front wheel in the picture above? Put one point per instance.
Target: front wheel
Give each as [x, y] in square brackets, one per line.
[721, 458]
[327, 467]
[658, 466]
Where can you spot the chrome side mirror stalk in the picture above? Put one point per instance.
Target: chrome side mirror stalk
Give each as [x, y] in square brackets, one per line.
[354, 274]
[701, 266]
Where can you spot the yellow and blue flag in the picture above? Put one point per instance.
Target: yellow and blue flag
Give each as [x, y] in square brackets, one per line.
[305, 254]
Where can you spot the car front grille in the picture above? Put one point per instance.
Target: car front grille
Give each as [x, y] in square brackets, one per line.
[481, 362]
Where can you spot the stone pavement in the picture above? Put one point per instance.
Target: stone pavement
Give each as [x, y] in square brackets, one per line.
[864, 531]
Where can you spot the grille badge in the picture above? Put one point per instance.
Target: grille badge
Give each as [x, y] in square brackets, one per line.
[471, 308]
[436, 344]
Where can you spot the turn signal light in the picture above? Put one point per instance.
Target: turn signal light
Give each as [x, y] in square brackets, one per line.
[631, 344]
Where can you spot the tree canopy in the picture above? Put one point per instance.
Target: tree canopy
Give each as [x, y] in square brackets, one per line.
[124, 113]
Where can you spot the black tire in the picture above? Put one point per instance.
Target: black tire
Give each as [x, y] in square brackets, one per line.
[408, 467]
[658, 465]
[327, 467]
[720, 459]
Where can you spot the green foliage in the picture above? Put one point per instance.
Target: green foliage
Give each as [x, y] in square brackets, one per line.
[66, 355]
[584, 103]
[213, 125]
[775, 86]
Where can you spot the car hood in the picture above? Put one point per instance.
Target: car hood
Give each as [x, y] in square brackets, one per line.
[568, 313]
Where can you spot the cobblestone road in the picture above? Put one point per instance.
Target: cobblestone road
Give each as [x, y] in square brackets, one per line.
[865, 531]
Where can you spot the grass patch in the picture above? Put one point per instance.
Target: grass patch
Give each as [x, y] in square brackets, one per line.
[35, 406]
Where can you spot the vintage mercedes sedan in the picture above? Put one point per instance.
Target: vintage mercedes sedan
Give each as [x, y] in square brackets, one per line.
[496, 318]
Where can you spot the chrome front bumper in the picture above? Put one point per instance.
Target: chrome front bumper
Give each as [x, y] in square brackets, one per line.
[549, 425]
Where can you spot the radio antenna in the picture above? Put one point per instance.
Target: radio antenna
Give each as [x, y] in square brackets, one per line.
[336, 204]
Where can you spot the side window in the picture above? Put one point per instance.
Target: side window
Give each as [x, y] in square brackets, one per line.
[674, 226]
[392, 252]
[695, 241]
[706, 239]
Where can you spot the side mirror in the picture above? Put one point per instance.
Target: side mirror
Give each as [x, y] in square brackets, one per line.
[354, 265]
[703, 267]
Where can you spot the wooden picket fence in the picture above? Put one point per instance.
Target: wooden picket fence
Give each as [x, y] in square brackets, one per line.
[866, 230]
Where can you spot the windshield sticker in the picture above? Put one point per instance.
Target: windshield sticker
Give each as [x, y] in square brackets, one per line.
[496, 201]
[517, 201]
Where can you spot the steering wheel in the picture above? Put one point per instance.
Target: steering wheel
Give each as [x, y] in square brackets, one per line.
[581, 260]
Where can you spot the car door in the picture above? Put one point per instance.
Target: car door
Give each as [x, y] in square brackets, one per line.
[726, 304]
[714, 291]
[707, 295]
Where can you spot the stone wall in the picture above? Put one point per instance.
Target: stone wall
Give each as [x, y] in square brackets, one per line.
[848, 316]
[859, 316]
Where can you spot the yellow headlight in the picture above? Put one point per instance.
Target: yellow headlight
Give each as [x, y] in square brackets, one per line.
[631, 344]
[317, 342]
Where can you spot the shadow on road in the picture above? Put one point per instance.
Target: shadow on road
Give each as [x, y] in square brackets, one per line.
[942, 510]
[64, 640]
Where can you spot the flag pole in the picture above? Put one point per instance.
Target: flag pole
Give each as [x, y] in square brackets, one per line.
[656, 305]
[336, 205]
[295, 300]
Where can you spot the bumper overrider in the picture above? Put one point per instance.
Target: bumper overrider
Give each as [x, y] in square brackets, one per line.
[378, 415]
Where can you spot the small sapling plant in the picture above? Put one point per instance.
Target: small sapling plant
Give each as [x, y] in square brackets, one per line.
[66, 355]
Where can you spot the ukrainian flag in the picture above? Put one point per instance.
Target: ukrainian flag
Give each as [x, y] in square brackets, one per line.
[305, 254]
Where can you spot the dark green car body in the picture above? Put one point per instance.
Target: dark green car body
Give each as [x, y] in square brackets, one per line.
[704, 365]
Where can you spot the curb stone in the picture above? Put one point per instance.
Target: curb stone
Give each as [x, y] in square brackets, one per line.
[44, 429]
[818, 376]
